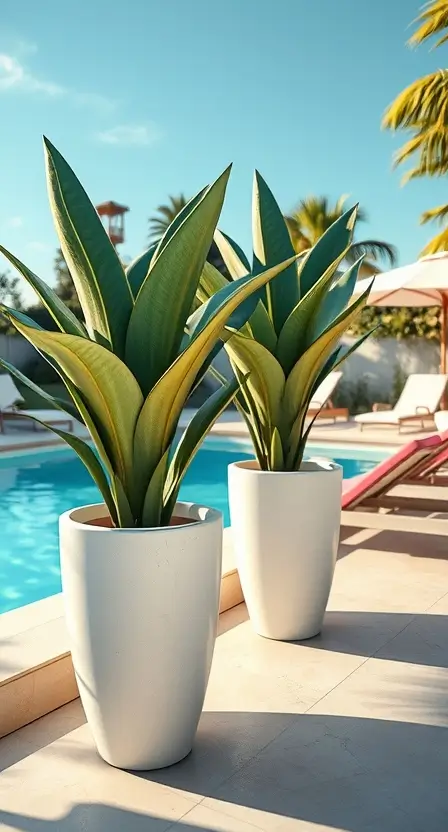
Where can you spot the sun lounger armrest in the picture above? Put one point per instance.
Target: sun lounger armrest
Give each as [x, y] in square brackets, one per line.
[315, 405]
[378, 406]
[422, 409]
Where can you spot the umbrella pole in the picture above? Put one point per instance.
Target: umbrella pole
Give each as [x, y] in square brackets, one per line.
[443, 336]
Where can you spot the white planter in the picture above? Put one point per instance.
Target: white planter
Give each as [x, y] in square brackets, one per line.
[285, 531]
[441, 420]
[142, 610]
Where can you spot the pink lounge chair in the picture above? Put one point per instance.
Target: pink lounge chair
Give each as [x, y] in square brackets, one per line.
[429, 472]
[371, 490]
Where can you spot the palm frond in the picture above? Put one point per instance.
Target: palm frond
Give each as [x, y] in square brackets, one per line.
[299, 240]
[362, 215]
[423, 103]
[433, 154]
[314, 215]
[439, 215]
[373, 249]
[164, 216]
[438, 243]
[433, 20]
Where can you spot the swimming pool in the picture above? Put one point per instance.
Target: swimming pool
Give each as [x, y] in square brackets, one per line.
[36, 488]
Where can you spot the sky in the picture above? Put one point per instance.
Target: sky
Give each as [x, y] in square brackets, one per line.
[147, 98]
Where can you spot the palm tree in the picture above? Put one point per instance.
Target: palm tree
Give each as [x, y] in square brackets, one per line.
[165, 215]
[314, 215]
[422, 109]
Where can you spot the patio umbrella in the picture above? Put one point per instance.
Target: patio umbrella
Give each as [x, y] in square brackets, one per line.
[424, 283]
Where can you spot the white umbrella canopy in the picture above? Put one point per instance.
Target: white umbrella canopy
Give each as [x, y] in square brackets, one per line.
[424, 283]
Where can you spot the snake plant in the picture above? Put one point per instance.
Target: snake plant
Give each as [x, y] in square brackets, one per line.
[291, 342]
[129, 366]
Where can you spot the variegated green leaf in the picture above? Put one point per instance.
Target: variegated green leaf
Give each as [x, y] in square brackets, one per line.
[89, 459]
[297, 332]
[319, 258]
[339, 356]
[247, 409]
[234, 258]
[138, 269]
[300, 383]
[272, 244]
[101, 284]
[276, 460]
[17, 319]
[153, 502]
[178, 220]
[53, 401]
[61, 314]
[265, 377]
[126, 518]
[211, 281]
[336, 300]
[261, 327]
[162, 306]
[212, 288]
[192, 437]
[109, 390]
[199, 319]
[160, 413]
[251, 312]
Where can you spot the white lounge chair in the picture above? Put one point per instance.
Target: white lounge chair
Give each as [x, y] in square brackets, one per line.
[321, 405]
[419, 401]
[9, 398]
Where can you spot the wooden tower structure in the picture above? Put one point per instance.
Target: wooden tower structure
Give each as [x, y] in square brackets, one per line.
[112, 215]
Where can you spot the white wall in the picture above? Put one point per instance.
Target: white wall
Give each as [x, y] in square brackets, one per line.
[16, 350]
[377, 360]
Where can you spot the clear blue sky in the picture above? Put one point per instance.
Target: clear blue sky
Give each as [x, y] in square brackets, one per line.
[148, 97]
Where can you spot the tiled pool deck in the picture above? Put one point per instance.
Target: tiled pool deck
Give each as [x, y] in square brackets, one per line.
[344, 733]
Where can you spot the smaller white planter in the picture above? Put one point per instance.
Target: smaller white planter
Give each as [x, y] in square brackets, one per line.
[142, 610]
[441, 420]
[285, 531]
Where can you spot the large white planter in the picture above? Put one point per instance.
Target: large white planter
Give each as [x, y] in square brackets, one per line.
[285, 531]
[142, 610]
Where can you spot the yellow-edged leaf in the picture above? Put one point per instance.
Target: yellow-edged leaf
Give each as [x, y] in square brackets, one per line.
[153, 502]
[265, 377]
[108, 388]
[61, 314]
[272, 243]
[126, 519]
[53, 401]
[301, 380]
[276, 457]
[160, 413]
[193, 435]
[88, 457]
[234, 258]
[101, 284]
[164, 301]
[295, 334]
[79, 410]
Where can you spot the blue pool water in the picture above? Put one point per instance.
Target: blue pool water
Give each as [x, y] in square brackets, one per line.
[36, 488]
